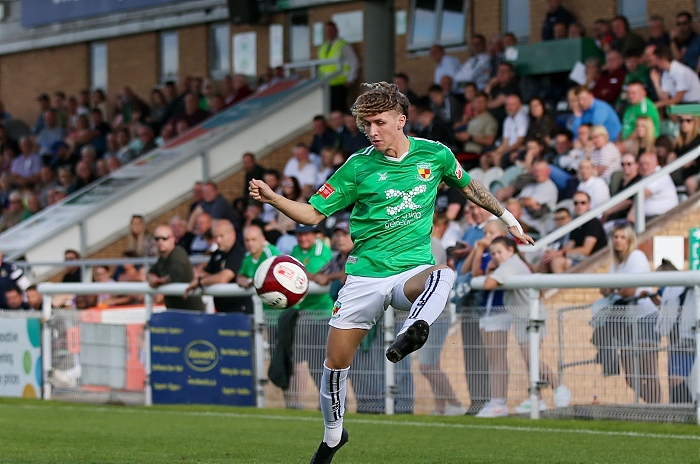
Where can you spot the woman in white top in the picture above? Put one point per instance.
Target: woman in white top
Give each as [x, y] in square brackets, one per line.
[634, 330]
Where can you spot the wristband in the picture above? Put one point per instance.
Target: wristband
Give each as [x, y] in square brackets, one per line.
[510, 221]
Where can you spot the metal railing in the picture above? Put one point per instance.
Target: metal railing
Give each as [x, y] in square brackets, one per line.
[536, 282]
[636, 190]
[312, 65]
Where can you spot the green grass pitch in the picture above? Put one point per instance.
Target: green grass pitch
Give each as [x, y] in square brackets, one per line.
[34, 431]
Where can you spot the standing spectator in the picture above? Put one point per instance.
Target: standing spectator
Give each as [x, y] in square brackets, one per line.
[324, 136]
[301, 167]
[689, 138]
[625, 40]
[44, 105]
[11, 276]
[335, 48]
[634, 331]
[257, 251]
[596, 188]
[658, 35]
[596, 112]
[685, 43]
[252, 171]
[677, 83]
[13, 299]
[477, 68]
[27, 166]
[555, 14]
[35, 300]
[659, 196]
[173, 265]
[605, 155]
[73, 273]
[222, 269]
[639, 105]
[445, 65]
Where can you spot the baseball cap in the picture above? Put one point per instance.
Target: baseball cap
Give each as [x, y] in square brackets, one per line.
[301, 228]
[342, 225]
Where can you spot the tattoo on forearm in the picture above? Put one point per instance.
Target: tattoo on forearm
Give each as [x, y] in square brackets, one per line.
[478, 194]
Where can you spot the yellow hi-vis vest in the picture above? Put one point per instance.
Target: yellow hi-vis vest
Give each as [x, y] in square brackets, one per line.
[328, 53]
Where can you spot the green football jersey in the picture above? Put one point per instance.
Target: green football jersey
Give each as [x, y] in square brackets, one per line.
[250, 265]
[313, 260]
[394, 203]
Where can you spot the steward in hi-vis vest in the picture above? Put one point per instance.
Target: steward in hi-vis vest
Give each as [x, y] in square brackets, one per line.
[335, 48]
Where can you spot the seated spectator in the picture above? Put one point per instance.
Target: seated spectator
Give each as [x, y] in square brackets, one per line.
[327, 167]
[51, 133]
[623, 179]
[102, 274]
[542, 124]
[33, 205]
[676, 82]
[480, 131]
[609, 85]
[689, 138]
[449, 200]
[597, 113]
[583, 241]
[563, 144]
[124, 153]
[100, 130]
[445, 106]
[435, 128]
[303, 169]
[214, 204]
[81, 134]
[192, 113]
[351, 138]
[639, 105]
[47, 181]
[468, 111]
[237, 89]
[27, 166]
[538, 199]
[199, 244]
[252, 171]
[605, 154]
[35, 300]
[596, 188]
[14, 299]
[336, 122]
[183, 237]
[159, 110]
[273, 179]
[624, 39]
[514, 131]
[477, 68]
[324, 136]
[14, 213]
[281, 224]
[148, 140]
[447, 232]
[685, 45]
[659, 196]
[555, 250]
[582, 148]
[576, 31]
[84, 176]
[402, 81]
[642, 139]
[657, 32]
[139, 241]
[499, 88]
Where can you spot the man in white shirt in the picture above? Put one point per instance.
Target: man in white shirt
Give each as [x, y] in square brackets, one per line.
[677, 83]
[596, 188]
[660, 196]
[445, 65]
[301, 167]
[539, 199]
[476, 69]
[514, 130]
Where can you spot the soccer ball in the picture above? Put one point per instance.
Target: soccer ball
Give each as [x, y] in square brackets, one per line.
[281, 282]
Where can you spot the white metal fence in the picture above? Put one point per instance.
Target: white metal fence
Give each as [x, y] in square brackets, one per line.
[455, 370]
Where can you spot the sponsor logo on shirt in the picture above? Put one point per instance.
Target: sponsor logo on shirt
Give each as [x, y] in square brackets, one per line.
[336, 308]
[458, 171]
[326, 190]
[424, 171]
[352, 259]
[407, 203]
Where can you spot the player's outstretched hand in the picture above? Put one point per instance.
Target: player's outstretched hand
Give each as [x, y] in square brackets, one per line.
[522, 236]
[260, 191]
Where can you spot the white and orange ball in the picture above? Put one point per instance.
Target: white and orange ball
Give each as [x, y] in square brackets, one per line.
[281, 282]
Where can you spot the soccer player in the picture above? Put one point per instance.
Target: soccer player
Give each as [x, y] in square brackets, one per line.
[393, 184]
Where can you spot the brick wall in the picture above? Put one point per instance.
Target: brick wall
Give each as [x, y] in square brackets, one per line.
[193, 44]
[26, 75]
[133, 60]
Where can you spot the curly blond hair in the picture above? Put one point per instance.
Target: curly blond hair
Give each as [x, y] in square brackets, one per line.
[378, 98]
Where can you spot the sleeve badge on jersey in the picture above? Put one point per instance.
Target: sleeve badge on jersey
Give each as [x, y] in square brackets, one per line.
[326, 190]
[458, 171]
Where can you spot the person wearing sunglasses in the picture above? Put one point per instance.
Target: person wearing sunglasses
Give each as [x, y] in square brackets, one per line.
[173, 265]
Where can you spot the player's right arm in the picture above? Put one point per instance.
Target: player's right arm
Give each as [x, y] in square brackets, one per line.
[299, 212]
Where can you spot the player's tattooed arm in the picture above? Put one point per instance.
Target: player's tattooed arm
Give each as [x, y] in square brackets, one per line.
[478, 194]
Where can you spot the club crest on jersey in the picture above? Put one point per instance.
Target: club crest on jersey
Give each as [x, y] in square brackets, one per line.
[458, 171]
[424, 171]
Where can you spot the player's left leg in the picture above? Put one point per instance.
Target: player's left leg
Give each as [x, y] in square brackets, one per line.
[427, 292]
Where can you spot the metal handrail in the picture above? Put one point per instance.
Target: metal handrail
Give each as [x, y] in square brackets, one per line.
[311, 64]
[636, 189]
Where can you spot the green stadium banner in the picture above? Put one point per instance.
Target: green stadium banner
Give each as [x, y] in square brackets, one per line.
[694, 248]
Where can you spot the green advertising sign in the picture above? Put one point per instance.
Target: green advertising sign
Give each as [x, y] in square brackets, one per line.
[694, 248]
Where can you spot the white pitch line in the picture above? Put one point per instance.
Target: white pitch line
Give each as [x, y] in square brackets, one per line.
[509, 428]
